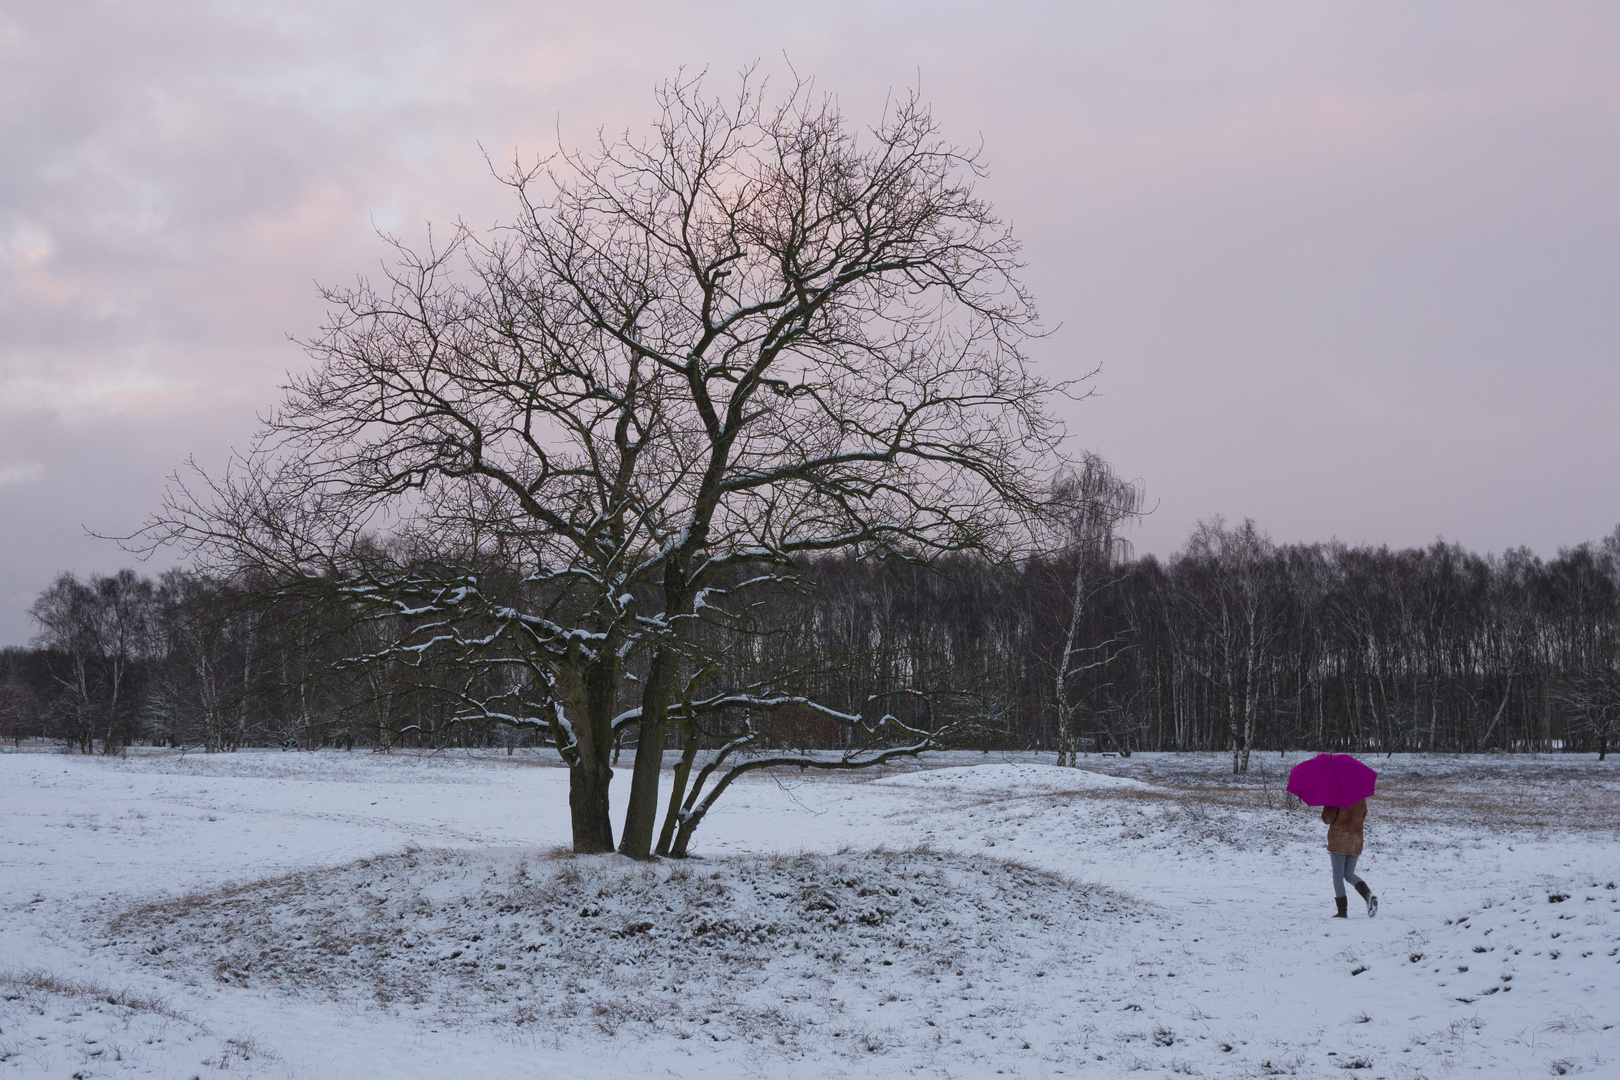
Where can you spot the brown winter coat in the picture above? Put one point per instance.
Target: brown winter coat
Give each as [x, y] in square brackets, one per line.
[1344, 827]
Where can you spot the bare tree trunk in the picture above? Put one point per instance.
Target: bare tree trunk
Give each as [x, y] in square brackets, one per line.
[1506, 693]
[111, 740]
[1250, 696]
[677, 791]
[589, 774]
[1065, 709]
[641, 818]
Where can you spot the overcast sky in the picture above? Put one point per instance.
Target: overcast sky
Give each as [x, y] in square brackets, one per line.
[1350, 269]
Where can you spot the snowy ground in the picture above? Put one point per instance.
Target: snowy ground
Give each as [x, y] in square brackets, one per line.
[354, 915]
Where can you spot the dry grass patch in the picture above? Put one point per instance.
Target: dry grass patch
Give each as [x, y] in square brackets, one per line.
[19, 985]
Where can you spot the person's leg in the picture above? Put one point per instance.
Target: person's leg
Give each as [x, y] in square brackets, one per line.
[1367, 895]
[1362, 887]
[1338, 871]
[1348, 873]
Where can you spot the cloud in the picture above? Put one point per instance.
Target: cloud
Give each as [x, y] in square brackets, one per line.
[1278, 226]
[26, 473]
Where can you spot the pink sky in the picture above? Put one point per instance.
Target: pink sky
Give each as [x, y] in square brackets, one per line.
[1351, 269]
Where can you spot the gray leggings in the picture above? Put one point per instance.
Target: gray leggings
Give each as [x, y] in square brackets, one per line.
[1344, 869]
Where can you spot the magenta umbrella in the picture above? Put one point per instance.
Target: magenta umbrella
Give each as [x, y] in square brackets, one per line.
[1332, 780]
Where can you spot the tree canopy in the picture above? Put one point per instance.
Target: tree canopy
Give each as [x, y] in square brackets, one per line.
[574, 452]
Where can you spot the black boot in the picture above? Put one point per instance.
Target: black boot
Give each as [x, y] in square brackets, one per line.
[1366, 894]
[1344, 907]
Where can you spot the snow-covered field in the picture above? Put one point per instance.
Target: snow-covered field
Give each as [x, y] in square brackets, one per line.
[355, 915]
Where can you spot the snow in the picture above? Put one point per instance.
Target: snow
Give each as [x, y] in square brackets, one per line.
[263, 914]
[1006, 778]
[871, 946]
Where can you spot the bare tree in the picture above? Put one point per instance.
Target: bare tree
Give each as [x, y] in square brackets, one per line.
[20, 710]
[99, 630]
[692, 362]
[1593, 700]
[1237, 607]
[199, 689]
[1090, 503]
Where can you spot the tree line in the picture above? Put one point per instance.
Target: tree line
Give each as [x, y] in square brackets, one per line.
[1233, 643]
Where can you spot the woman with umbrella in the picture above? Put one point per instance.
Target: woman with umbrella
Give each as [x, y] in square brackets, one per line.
[1340, 785]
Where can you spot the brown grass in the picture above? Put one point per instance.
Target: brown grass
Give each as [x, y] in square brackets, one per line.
[1495, 805]
[40, 981]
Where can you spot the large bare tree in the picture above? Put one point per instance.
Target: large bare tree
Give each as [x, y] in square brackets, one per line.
[695, 359]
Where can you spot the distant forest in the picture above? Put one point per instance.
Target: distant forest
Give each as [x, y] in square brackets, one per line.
[1234, 643]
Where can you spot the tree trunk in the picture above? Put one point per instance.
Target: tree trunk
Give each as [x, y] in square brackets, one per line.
[677, 791]
[1500, 709]
[641, 817]
[1251, 696]
[590, 775]
[1065, 711]
[111, 741]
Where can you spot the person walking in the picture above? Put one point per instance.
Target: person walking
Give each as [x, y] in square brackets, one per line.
[1340, 785]
[1344, 848]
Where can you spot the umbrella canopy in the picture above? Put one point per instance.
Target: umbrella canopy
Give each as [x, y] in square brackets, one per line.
[1332, 780]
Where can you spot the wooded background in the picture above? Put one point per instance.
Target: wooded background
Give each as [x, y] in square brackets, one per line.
[1233, 643]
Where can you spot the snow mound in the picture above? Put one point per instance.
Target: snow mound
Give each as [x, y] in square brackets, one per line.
[1014, 778]
[857, 951]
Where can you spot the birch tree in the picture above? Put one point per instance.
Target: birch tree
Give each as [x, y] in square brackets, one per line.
[1239, 611]
[98, 631]
[1090, 503]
